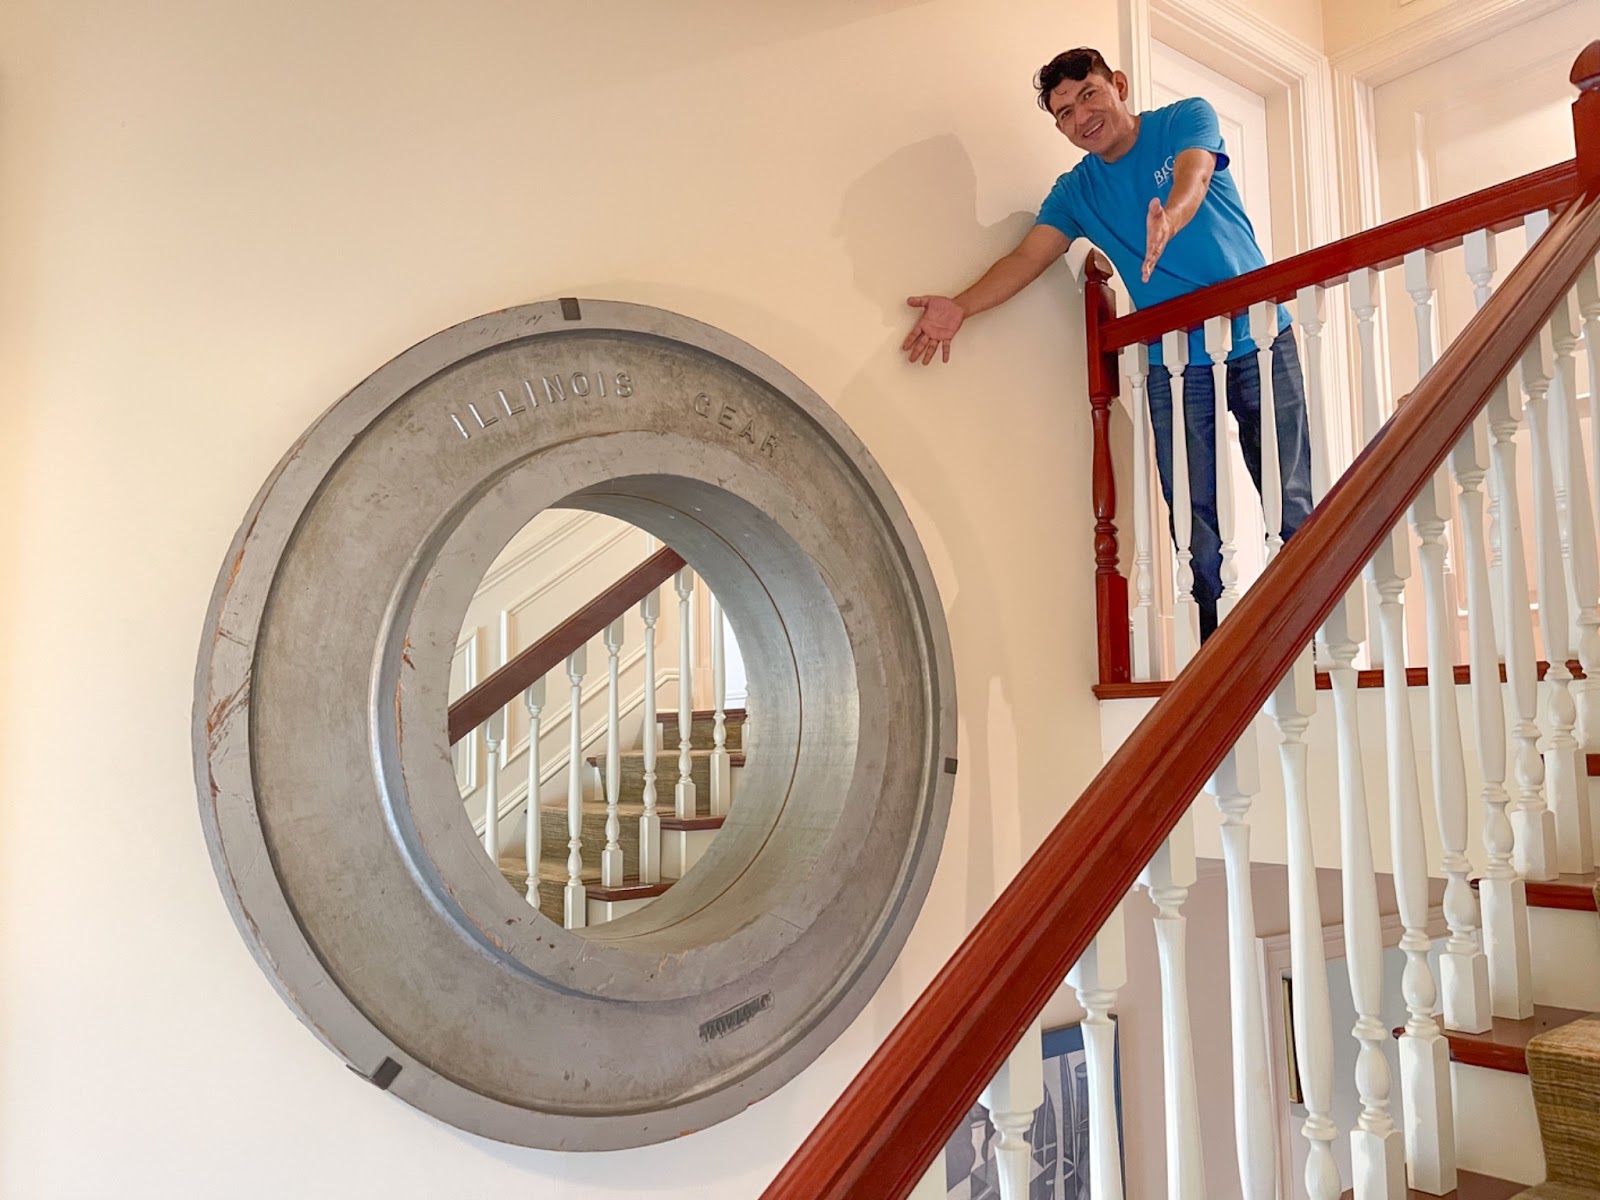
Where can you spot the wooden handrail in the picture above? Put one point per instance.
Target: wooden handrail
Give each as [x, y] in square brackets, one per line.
[1439, 228]
[539, 659]
[879, 1138]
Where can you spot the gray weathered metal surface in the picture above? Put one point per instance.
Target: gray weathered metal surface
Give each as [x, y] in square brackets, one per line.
[331, 809]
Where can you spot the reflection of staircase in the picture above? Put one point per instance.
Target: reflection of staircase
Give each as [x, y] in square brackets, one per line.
[683, 838]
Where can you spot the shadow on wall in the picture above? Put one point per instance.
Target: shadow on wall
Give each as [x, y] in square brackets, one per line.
[975, 448]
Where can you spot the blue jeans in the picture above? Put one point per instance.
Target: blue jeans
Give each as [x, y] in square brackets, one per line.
[1199, 418]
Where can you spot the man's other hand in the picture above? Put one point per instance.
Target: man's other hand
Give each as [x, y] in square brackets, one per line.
[941, 319]
[1158, 232]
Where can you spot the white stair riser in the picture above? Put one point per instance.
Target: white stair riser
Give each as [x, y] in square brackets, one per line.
[681, 849]
[1565, 947]
[1497, 1130]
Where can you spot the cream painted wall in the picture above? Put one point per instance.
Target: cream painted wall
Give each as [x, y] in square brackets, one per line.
[218, 218]
[1302, 19]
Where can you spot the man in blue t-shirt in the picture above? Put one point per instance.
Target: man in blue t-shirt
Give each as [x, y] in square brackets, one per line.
[1155, 195]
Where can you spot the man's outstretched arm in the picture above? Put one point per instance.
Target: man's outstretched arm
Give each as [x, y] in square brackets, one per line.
[1191, 176]
[942, 316]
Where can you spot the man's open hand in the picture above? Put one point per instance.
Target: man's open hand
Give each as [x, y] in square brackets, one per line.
[940, 320]
[1158, 232]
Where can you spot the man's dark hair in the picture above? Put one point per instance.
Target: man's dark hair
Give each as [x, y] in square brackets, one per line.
[1076, 65]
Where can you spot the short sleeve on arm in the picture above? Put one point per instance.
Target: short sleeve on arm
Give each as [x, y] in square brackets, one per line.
[1194, 127]
[1056, 211]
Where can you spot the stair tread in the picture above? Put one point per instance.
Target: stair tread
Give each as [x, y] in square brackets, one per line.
[733, 716]
[1469, 1186]
[1575, 892]
[1504, 1046]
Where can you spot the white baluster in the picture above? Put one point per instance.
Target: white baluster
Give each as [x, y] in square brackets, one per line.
[1502, 895]
[1365, 288]
[494, 736]
[1310, 311]
[1217, 337]
[721, 765]
[650, 822]
[1589, 306]
[611, 865]
[1482, 261]
[1463, 969]
[1168, 877]
[1376, 1153]
[1235, 784]
[1292, 703]
[1097, 977]
[575, 898]
[1186, 615]
[1147, 641]
[1424, 1056]
[1561, 766]
[532, 833]
[1534, 825]
[1263, 331]
[1013, 1098]
[683, 584]
[1575, 841]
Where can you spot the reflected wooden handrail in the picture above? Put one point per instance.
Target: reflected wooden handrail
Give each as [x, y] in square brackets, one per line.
[539, 659]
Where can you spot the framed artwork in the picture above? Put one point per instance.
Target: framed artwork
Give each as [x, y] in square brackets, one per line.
[1060, 1135]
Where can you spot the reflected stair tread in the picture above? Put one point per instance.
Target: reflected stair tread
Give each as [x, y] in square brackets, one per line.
[1469, 1186]
[1504, 1047]
[733, 716]
[735, 757]
[1576, 893]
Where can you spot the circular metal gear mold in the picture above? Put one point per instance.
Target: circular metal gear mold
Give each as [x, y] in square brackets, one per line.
[330, 807]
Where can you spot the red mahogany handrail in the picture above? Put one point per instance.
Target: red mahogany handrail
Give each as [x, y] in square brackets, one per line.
[878, 1139]
[539, 659]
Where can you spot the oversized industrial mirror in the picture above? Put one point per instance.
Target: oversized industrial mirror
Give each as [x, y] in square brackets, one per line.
[352, 840]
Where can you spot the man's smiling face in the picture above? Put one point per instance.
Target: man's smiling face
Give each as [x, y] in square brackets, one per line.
[1093, 113]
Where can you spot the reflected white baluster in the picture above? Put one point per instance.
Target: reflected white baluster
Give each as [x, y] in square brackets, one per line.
[1263, 331]
[721, 765]
[1168, 877]
[1097, 977]
[1217, 337]
[1575, 838]
[1013, 1098]
[575, 898]
[532, 833]
[494, 737]
[1186, 615]
[1365, 288]
[1292, 703]
[1534, 825]
[1502, 896]
[1376, 1152]
[1561, 765]
[683, 584]
[1147, 640]
[611, 865]
[650, 822]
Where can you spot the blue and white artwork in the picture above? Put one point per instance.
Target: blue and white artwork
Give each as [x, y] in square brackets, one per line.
[1060, 1136]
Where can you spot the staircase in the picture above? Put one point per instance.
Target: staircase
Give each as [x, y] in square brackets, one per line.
[684, 837]
[1436, 789]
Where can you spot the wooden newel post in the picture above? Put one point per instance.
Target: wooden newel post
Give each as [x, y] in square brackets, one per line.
[1586, 116]
[1110, 587]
